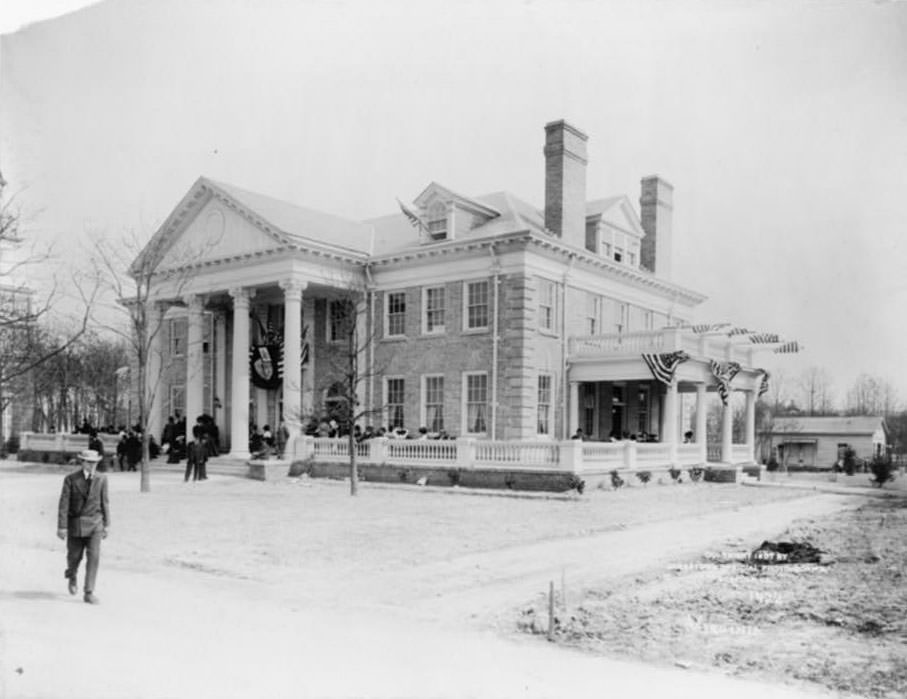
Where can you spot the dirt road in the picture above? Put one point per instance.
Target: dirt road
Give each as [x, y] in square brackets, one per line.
[247, 617]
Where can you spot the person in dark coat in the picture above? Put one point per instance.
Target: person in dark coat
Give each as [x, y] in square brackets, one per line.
[83, 519]
[197, 455]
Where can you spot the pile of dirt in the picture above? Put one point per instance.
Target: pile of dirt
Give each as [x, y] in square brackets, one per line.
[839, 624]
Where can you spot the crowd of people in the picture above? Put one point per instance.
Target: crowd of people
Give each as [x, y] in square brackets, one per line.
[328, 427]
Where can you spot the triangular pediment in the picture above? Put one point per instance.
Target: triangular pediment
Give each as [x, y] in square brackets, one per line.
[623, 216]
[437, 194]
[217, 232]
[206, 226]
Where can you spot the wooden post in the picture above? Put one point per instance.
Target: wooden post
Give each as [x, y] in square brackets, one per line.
[551, 611]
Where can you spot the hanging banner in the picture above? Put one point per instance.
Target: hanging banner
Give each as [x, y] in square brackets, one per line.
[266, 359]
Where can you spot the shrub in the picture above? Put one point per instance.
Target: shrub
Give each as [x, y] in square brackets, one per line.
[676, 474]
[850, 461]
[772, 464]
[454, 477]
[616, 480]
[882, 471]
[696, 473]
[644, 476]
[12, 444]
[577, 484]
[297, 468]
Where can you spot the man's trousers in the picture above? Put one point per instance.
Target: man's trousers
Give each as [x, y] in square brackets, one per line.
[91, 545]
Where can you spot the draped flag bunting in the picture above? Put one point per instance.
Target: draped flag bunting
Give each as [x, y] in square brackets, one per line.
[663, 366]
[738, 331]
[763, 385]
[724, 372]
[708, 327]
[764, 338]
[788, 348]
[412, 216]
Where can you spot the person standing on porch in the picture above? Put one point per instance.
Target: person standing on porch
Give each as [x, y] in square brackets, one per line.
[83, 518]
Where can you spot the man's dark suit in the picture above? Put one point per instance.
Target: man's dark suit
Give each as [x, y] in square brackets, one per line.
[84, 513]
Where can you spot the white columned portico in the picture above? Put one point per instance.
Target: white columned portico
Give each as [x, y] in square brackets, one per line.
[701, 434]
[751, 424]
[669, 422]
[195, 367]
[573, 409]
[153, 388]
[727, 430]
[239, 413]
[292, 355]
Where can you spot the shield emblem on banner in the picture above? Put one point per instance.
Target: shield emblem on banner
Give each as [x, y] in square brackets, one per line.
[264, 366]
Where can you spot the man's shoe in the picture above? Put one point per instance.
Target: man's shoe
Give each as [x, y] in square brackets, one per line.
[91, 599]
[73, 587]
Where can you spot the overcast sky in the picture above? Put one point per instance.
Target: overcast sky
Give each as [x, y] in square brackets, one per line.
[781, 125]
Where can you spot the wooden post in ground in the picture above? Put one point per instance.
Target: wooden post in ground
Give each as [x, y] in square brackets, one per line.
[551, 611]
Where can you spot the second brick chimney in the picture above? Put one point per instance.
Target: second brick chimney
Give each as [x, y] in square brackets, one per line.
[656, 204]
[565, 182]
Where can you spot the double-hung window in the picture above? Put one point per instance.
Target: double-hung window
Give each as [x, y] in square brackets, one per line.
[544, 403]
[396, 313]
[477, 305]
[546, 304]
[179, 335]
[434, 309]
[394, 399]
[476, 389]
[341, 320]
[433, 402]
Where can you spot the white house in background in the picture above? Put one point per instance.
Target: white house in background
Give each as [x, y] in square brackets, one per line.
[817, 442]
[491, 318]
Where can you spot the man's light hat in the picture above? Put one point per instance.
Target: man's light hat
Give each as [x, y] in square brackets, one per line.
[89, 455]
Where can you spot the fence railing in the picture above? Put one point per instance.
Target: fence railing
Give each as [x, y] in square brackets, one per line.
[63, 442]
[571, 455]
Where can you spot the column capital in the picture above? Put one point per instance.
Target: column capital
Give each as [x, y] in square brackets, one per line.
[241, 296]
[293, 288]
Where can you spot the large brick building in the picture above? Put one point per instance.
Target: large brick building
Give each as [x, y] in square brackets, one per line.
[485, 315]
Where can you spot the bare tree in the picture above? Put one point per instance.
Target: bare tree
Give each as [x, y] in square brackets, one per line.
[871, 395]
[816, 391]
[131, 273]
[23, 310]
[351, 364]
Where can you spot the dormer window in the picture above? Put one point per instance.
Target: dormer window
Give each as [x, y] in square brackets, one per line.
[437, 221]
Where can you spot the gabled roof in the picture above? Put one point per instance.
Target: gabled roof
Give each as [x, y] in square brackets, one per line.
[446, 193]
[829, 425]
[302, 224]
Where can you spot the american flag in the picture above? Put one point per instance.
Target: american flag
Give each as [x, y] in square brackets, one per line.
[763, 385]
[412, 216]
[738, 331]
[788, 348]
[663, 366]
[724, 372]
[764, 338]
[708, 327]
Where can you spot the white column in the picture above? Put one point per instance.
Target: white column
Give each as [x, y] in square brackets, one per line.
[152, 391]
[701, 433]
[195, 366]
[727, 430]
[308, 374]
[669, 421]
[292, 355]
[220, 370]
[751, 424]
[239, 413]
[573, 409]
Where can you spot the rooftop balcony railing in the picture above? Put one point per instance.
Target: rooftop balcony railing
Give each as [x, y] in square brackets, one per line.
[660, 341]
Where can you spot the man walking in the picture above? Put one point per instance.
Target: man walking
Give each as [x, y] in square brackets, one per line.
[83, 518]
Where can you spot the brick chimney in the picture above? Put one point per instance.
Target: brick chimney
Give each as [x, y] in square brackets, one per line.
[565, 182]
[656, 204]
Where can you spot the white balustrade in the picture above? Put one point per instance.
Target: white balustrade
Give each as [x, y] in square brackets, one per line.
[520, 454]
[644, 341]
[652, 453]
[417, 451]
[601, 455]
[689, 454]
